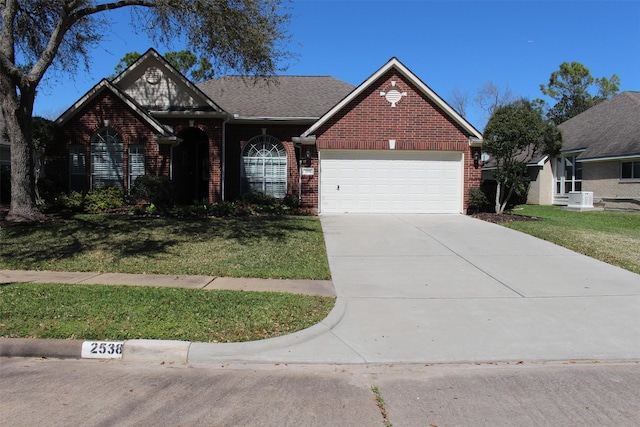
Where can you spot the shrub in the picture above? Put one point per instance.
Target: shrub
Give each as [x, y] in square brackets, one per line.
[153, 189]
[222, 209]
[48, 190]
[478, 201]
[259, 199]
[104, 198]
[73, 201]
[202, 207]
[291, 201]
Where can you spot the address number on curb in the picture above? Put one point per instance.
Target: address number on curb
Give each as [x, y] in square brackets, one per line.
[102, 349]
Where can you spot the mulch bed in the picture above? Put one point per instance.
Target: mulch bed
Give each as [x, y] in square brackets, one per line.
[502, 218]
[485, 216]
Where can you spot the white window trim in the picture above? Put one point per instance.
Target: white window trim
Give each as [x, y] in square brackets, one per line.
[136, 151]
[107, 144]
[559, 175]
[267, 153]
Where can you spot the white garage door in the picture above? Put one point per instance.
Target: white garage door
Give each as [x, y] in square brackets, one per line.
[385, 181]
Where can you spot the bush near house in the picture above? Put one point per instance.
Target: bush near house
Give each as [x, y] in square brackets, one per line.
[156, 190]
[152, 196]
[254, 204]
[102, 199]
[478, 202]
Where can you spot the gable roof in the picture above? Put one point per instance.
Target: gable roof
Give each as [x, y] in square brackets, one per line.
[426, 90]
[127, 80]
[105, 85]
[185, 96]
[277, 97]
[609, 129]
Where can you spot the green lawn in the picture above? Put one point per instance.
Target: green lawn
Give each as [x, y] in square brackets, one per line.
[265, 247]
[610, 236]
[29, 310]
[288, 247]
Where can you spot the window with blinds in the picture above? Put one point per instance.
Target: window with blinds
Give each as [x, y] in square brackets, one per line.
[264, 166]
[77, 168]
[107, 159]
[136, 163]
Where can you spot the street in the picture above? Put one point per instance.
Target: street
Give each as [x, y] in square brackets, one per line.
[56, 392]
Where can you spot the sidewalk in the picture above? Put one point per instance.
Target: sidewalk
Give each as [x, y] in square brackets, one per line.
[307, 287]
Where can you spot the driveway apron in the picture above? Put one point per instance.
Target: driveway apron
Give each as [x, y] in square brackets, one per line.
[442, 288]
[451, 288]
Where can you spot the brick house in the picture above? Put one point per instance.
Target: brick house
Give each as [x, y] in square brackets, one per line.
[388, 145]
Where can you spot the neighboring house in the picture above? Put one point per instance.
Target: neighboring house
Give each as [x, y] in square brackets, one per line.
[388, 145]
[600, 155]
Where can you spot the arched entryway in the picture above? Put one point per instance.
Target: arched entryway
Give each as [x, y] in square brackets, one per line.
[191, 167]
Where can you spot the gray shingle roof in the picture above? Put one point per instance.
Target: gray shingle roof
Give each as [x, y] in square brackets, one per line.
[280, 96]
[610, 129]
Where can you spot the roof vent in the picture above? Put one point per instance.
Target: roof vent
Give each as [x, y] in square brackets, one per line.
[393, 94]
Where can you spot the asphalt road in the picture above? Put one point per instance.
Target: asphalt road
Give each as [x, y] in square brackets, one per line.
[57, 392]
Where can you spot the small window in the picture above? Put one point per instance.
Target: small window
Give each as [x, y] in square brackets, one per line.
[630, 170]
[77, 168]
[136, 163]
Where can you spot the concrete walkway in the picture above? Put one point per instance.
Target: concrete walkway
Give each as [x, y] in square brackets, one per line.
[445, 288]
[308, 287]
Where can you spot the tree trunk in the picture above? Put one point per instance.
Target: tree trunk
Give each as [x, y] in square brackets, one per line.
[504, 200]
[498, 205]
[18, 124]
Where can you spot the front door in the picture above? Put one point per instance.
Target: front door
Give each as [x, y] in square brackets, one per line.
[191, 167]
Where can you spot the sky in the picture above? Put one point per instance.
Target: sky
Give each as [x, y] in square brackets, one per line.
[450, 45]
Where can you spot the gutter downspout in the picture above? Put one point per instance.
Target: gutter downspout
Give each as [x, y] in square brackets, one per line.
[299, 147]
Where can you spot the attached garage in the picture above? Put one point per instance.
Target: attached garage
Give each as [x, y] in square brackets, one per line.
[389, 181]
[391, 146]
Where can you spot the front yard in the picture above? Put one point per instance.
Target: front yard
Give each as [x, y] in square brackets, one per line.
[264, 247]
[287, 247]
[610, 236]
[284, 247]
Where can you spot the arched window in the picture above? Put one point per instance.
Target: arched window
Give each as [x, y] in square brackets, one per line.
[264, 166]
[107, 160]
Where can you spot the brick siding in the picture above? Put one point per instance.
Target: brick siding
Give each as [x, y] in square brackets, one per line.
[237, 137]
[82, 126]
[133, 130]
[369, 121]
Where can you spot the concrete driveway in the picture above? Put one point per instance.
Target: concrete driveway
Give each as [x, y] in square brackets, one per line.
[450, 288]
